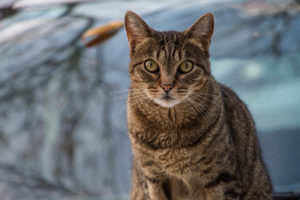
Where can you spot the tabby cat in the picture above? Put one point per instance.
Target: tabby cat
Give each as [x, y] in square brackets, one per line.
[192, 137]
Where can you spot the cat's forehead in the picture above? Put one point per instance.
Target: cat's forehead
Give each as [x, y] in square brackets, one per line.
[164, 47]
[168, 47]
[169, 37]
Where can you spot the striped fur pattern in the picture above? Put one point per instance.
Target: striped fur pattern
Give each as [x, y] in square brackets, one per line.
[197, 140]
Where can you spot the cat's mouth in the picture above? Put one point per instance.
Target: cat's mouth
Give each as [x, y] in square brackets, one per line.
[167, 101]
[167, 98]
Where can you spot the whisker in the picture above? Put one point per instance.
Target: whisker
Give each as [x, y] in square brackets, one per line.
[125, 91]
[219, 96]
[135, 101]
[188, 100]
[205, 115]
[200, 108]
[125, 96]
[200, 96]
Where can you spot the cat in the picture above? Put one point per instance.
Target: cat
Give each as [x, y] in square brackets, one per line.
[192, 138]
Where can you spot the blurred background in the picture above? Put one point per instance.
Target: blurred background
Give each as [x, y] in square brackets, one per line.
[63, 132]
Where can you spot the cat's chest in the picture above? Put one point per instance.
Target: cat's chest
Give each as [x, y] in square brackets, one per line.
[185, 191]
[173, 162]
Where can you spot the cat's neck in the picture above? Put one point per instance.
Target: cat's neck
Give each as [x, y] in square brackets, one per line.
[180, 125]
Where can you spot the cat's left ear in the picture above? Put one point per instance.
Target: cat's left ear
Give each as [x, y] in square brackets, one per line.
[202, 30]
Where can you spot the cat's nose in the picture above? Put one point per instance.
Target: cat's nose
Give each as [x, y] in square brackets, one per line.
[167, 87]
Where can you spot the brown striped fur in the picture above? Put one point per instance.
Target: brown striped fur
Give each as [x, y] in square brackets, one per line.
[199, 144]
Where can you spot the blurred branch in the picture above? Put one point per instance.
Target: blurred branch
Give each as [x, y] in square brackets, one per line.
[11, 8]
[12, 89]
[25, 3]
[6, 9]
[21, 4]
[16, 176]
[69, 10]
[261, 8]
[28, 184]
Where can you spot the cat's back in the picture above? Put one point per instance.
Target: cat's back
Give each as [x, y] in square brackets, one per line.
[241, 128]
[234, 107]
[239, 120]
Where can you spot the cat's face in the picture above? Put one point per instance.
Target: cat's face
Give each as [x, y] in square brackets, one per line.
[168, 67]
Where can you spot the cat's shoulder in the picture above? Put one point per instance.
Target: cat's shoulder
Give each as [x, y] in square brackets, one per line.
[230, 97]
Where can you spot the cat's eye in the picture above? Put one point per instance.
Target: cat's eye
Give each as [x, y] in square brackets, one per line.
[186, 67]
[151, 66]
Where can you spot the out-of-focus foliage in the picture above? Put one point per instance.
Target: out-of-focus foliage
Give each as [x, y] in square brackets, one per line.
[63, 128]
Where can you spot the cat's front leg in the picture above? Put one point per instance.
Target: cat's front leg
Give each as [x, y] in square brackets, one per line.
[222, 186]
[218, 193]
[223, 191]
[156, 190]
[147, 190]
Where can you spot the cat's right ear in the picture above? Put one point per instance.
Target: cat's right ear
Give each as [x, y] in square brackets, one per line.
[202, 30]
[136, 29]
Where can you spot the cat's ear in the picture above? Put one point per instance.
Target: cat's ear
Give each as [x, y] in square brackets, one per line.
[202, 30]
[136, 29]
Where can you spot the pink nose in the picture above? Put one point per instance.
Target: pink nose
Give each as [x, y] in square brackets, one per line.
[167, 87]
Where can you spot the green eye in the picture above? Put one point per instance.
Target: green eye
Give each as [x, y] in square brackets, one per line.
[186, 67]
[151, 66]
